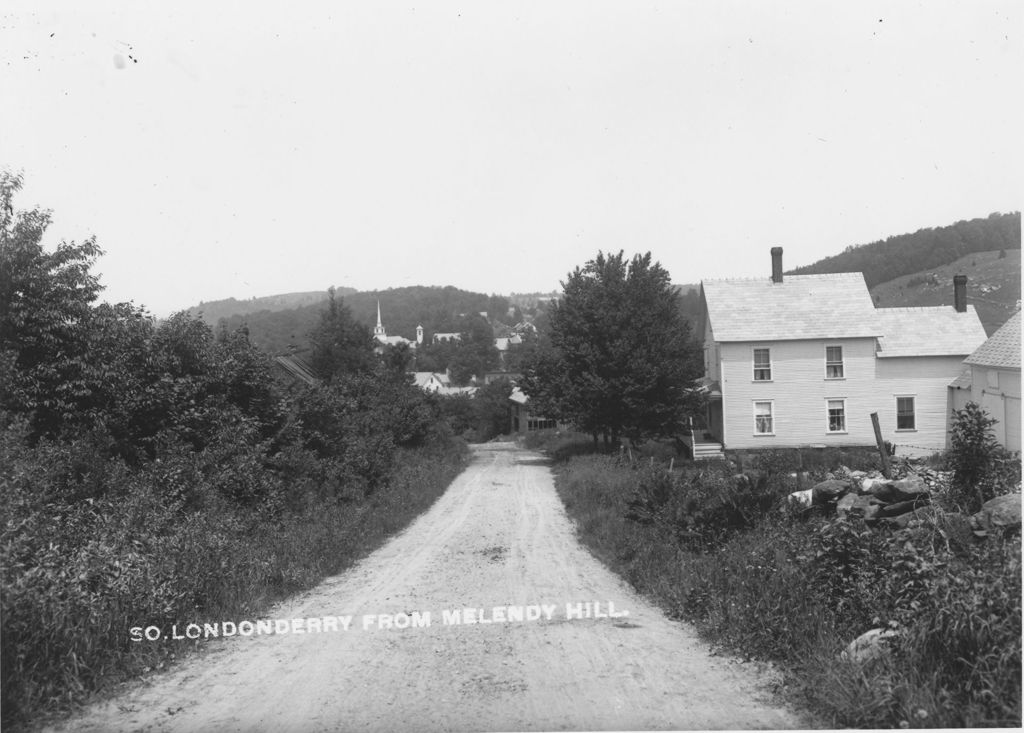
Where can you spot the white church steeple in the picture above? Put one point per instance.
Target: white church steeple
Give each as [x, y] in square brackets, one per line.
[379, 329]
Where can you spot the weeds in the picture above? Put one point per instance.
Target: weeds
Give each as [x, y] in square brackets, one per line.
[796, 589]
[169, 544]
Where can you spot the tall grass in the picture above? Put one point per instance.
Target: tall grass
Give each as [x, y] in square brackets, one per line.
[796, 589]
[78, 574]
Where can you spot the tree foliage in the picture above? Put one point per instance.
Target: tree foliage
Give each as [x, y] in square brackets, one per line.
[621, 357]
[340, 344]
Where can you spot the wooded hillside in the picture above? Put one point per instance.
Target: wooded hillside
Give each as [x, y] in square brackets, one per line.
[212, 311]
[402, 309]
[906, 254]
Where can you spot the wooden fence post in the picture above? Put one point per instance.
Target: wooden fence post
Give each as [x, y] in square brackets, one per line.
[881, 445]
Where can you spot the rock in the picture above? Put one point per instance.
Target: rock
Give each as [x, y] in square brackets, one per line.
[870, 512]
[884, 489]
[870, 646]
[911, 487]
[844, 505]
[1003, 511]
[867, 486]
[905, 520]
[858, 475]
[905, 489]
[827, 491]
[901, 507]
[804, 498]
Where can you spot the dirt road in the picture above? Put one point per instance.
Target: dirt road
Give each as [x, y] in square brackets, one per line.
[498, 540]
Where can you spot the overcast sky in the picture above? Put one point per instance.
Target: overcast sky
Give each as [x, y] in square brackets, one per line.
[223, 149]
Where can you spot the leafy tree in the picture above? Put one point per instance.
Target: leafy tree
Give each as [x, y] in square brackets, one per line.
[621, 357]
[45, 307]
[340, 344]
[520, 355]
[490, 407]
[398, 358]
[475, 353]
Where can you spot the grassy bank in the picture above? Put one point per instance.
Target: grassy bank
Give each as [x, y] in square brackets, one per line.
[775, 585]
[77, 575]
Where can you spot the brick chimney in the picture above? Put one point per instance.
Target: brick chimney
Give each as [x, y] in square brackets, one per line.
[960, 293]
[776, 264]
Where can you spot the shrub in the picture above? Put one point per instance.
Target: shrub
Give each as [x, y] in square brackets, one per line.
[798, 589]
[700, 508]
[982, 469]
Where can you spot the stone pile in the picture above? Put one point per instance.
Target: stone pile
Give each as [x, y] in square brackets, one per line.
[899, 502]
[868, 496]
[903, 504]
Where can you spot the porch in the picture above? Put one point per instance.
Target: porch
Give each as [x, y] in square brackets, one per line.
[700, 438]
[702, 448]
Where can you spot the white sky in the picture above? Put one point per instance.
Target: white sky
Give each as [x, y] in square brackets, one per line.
[259, 148]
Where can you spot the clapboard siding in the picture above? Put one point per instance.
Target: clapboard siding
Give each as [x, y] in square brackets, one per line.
[927, 378]
[799, 390]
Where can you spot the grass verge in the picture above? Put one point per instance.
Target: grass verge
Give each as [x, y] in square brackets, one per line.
[797, 589]
[78, 575]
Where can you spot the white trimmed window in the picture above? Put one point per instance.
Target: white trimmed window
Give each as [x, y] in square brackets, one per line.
[834, 362]
[762, 365]
[836, 416]
[764, 418]
[906, 413]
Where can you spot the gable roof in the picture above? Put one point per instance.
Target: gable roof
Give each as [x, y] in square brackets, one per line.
[929, 331]
[297, 368]
[1002, 350]
[963, 381]
[502, 344]
[800, 307]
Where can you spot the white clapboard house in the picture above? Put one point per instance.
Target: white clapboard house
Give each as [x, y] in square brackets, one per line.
[803, 360]
[991, 378]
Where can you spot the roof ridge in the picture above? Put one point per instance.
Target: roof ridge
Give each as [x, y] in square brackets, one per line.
[767, 278]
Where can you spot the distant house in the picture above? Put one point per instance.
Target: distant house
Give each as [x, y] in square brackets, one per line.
[991, 378]
[295, 368]
[502, 344]
[524, 327]
[440, 383]
[491, 377]
[521, 420]
[441, 337]
[803, 360]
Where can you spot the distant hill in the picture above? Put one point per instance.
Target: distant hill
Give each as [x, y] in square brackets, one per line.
[993, 286]
[214, 310]
[437, 309]
[925, 249]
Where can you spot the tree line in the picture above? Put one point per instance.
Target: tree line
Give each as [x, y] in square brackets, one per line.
[159, 471]
[437, 309]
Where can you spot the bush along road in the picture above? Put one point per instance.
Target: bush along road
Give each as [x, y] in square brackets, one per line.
[485, 614]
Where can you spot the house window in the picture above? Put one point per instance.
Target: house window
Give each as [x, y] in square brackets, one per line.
[837, 416]
[906, 419]
[833, 362]
[762, 365]
[764, 423]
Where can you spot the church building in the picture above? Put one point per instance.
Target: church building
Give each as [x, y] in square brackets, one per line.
[384, 340]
